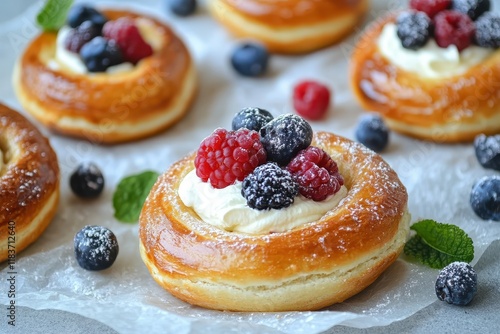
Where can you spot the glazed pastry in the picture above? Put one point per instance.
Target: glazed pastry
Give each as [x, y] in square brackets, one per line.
[132, 100]
[290, 26]
[29, 183]
[230, 256]
[443, 88]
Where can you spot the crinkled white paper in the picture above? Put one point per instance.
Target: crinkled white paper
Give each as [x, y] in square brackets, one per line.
[438, 178]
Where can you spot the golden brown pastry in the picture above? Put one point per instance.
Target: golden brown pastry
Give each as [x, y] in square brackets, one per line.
[449, 109]
[310, 267]
[29, 183]
[286, 26]
[109, 108]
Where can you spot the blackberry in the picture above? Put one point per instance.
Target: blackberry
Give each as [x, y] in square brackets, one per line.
[457, 283]
[488, 31]
[473, 8]
[372, 132]
[485, 198]
[251, 119]
[269, 187]
[413, 29]
[488, 151]
[100, 53]
[81, 13]
[96, 248]
[79, 36]
[87, 181]
[250, 60]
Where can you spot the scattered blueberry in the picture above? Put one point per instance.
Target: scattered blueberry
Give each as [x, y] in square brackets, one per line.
[250, 60]
[488, 31]
[100, 53]
[87, 181]
[485, 198]
[269, 187]
[182, 7]
[414, 29]
[372, 132]
[81, 13]
[457, 283]
[80, 35]
[284, 137]
[251, 118]
[96, 248]
[473, 8]
[488, 151]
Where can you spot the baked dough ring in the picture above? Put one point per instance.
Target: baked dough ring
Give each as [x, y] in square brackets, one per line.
[29, 183]
[452, 109]
[290, 26]
[107, 108]
[313, 266]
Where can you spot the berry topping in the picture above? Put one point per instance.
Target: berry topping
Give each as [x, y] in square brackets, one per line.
[430, 7]
[81, 13]
[100, 53]
[311, 99]
[251, 119]
[488, 151]
[87, 181]
[488, 31]
[250, 60]
[227, 156]
[284, 137]
[316, 173]
[457, 283]
[182, 7]
[269, 187]
[96, 248]
[485, 198]
[372, 132]
[453, 28]
[128, 37]
[472, 8]
[80, 35]
[413, 29]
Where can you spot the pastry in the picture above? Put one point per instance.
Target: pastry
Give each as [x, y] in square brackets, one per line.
[29, 183]
[139, 97]
[290, 26]
[442, 87]
[229, 256]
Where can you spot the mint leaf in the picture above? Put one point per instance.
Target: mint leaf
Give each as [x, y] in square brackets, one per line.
[437, 245]
[53, 14]
[130, 195]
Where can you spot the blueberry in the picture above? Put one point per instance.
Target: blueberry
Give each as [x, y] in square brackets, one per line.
[473, 8]
[457, 283]
[100, 53]
[81, 13]
[413, 29]
[96, 248]
[79, 36]
[488, 31]
[182, 7]
[488, 151]
[251, 118]
[284, 137]
[250, 60]
[87, 181]
[372, 132]
[485, 198]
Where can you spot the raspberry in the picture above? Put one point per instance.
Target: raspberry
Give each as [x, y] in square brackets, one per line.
[453, 28]
[488, 31]
[316, 173]
[414, 29]
[127, 36]
[473, 8]
[311, 99]
[269, 187]
[227, 156]
[81, 35]
[430, 7]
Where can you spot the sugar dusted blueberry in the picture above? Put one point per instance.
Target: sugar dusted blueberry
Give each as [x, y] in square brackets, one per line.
[413, 29]
[488, 31]
[488, 151]
[473, 8]
[96, 248]
[457, 283]
[251, 118]
[485, 198]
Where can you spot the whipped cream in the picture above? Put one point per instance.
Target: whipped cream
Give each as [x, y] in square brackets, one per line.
[227, 209]
[430, 61]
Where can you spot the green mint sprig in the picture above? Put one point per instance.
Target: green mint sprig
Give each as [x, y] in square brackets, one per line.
[130, 195]
[53, 14]
[437, 245]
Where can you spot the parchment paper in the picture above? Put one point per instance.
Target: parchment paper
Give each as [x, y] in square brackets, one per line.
[438, 178]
